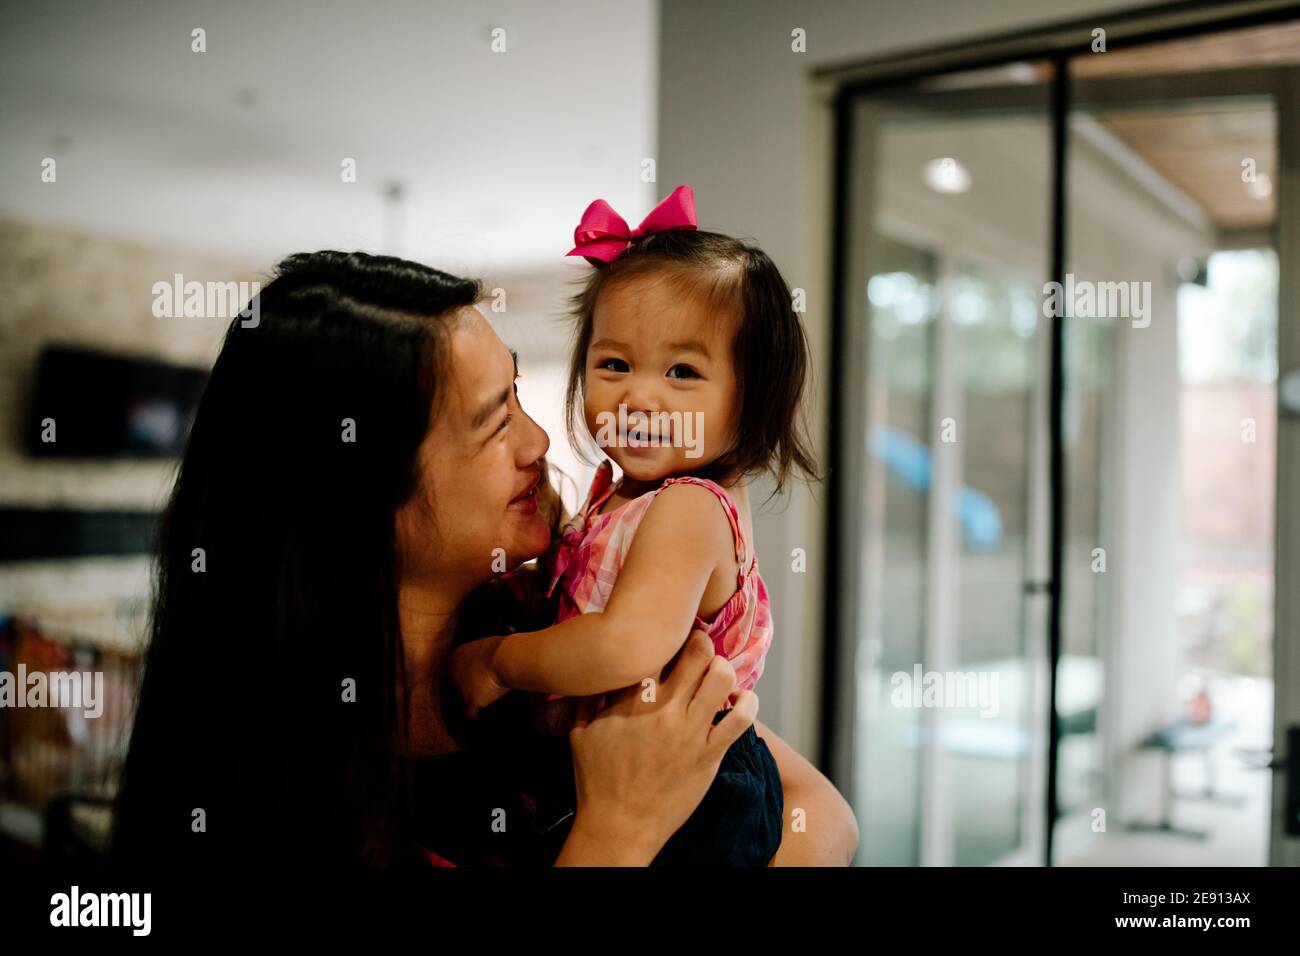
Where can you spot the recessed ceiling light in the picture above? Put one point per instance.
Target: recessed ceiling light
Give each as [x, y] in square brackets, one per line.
[946, 175]
[1022, 72]
[1261, 187]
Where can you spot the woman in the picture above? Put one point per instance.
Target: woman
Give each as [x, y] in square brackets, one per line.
[358, 464]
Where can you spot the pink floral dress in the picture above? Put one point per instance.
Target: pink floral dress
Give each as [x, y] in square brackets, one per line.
[590, 555]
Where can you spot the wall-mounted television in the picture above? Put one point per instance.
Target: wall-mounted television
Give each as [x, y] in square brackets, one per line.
[88, 404]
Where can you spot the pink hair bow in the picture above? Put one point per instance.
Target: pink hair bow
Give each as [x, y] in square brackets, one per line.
[602, 234]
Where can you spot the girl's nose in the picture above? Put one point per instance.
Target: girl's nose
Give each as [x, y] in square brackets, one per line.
[640, 395]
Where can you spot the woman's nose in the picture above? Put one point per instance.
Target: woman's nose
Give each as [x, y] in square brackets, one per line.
[535, 444]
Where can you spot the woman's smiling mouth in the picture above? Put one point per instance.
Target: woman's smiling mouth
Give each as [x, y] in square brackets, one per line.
[527, 502]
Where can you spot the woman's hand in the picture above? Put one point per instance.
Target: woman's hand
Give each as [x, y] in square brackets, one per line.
[475, 676]
[642, 767]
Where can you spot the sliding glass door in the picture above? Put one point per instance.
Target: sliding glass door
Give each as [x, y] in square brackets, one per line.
[1062, 343]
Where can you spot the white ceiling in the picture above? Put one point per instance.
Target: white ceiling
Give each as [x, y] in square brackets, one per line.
[499, 152]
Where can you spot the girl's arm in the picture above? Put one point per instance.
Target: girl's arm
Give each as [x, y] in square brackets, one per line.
[682, 539]
[829, 832]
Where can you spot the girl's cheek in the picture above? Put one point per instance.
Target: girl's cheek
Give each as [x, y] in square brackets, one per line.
[595, 394]
[592, 408]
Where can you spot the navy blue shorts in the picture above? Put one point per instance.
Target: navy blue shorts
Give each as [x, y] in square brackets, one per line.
[738, 823]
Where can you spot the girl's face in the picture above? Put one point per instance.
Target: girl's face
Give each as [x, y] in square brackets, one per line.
[660, 389]
[477, 510]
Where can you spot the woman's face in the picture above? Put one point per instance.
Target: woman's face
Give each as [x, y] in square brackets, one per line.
[477, 510]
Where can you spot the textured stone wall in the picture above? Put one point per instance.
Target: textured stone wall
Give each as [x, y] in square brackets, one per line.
[60, 286]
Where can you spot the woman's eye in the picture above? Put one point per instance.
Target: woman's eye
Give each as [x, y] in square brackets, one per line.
[612, 365]
[504, 423]
[682, 371]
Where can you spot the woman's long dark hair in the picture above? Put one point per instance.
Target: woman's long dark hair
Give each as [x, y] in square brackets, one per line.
[277, 574]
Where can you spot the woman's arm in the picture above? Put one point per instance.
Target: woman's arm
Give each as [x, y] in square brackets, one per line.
[642, 767]
[828, 834]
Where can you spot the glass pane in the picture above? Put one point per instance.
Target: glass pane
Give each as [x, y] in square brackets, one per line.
[1170, 419]
[901, 297]
[995, 316]
[1088, 357]
[956, 243]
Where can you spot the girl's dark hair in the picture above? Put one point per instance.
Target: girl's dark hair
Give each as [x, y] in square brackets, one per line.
[277, 576]
[769, 349]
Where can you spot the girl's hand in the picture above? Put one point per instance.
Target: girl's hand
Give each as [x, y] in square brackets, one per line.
[475, 676]
[555, 718]
[641, 768]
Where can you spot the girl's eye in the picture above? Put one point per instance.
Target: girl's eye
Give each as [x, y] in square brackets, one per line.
[612, 365]
[682, 371]
[504, 423]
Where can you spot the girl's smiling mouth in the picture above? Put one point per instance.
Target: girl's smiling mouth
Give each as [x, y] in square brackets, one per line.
[634, 437]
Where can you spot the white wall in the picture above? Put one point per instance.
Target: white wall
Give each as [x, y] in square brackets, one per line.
[239, 149]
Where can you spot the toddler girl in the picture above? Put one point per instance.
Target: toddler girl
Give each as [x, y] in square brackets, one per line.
[688, 367]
